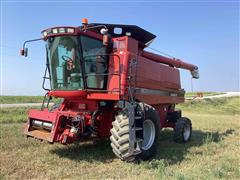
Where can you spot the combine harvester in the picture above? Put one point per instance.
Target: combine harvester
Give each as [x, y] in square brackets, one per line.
[111, 87]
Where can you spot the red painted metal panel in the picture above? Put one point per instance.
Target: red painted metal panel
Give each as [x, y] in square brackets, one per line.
[113, 83]
[43, 115]
[157, 99]
[68, 94]
[103, 96]
[153, 75]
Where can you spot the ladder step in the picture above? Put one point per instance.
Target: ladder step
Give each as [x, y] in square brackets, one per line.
[138, 128]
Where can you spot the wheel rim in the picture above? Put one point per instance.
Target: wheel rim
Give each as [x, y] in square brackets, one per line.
[148, 134]
[186, 132]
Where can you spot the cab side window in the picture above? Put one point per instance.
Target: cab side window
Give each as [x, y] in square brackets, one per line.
[95, 62]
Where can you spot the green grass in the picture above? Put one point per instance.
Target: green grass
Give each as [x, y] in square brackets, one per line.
[14, 115]
[20, 99]
[193, 94]
[229, 106]
[24, 99]
[212, 153]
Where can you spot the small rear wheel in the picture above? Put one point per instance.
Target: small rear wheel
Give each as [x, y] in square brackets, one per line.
[182, 130]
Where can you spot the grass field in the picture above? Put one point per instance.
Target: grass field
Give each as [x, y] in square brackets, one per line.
[212, 153]
[20, 99]
[194, 94]
[24, 99]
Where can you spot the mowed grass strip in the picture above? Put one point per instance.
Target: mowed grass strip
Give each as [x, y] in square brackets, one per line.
[14, 115]
[229, 105]
[20, 99]
[212, 153]
[194, 94]
[25, 99]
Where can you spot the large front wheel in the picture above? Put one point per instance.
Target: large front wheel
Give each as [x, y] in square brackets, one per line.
[151, 129]
[120, 138]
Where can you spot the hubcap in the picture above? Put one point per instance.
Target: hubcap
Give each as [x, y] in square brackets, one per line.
[186, 132]
[148, 134]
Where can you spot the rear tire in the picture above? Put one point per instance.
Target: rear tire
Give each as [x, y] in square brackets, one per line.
[182, 130]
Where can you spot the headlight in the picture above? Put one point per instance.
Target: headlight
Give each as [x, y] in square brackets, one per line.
[61, 30]
[44, 34]
[70, 30]
[55, 31]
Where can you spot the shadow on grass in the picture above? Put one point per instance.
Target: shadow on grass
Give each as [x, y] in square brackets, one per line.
[174, 152]
[99, 150]
[168, 150]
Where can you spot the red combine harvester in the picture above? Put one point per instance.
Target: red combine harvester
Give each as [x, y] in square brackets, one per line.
[110, 87]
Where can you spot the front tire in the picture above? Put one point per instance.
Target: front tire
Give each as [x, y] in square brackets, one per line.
[120, 135]
[182, 130]
[151, 130]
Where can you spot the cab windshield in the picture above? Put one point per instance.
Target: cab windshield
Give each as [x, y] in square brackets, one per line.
[76, 63]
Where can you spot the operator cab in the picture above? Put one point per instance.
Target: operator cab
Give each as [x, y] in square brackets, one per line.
[71, 58]
[78, 57]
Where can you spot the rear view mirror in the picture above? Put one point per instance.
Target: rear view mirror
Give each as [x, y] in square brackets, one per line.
[24, 52]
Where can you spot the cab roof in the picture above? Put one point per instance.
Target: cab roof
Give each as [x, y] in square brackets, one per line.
[118, 30]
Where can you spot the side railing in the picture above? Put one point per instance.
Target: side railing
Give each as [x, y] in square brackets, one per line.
[132, 78]
[89, 59]
[46, 77]
[46, 98]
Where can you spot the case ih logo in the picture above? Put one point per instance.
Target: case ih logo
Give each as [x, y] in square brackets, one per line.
[82, 106]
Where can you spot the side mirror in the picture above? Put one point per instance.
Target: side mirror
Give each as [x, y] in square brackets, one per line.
[24, 52]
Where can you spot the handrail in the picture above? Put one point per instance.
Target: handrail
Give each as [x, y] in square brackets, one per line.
[44, 100]
[91, 74]
[104, 74]
[44, 78]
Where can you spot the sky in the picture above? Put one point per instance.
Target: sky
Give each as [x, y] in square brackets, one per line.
[204, 33]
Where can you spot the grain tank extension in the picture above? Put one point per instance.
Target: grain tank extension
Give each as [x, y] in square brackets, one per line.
[110, 88]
